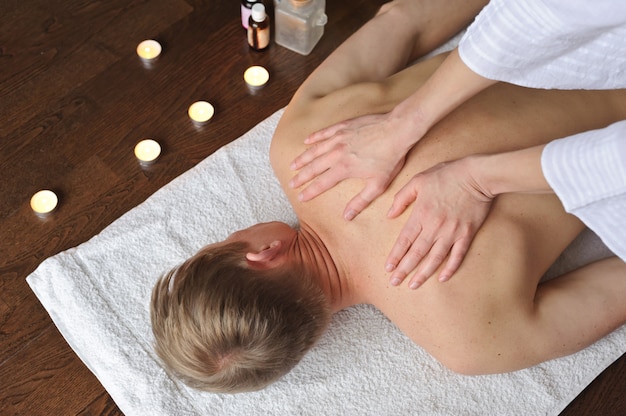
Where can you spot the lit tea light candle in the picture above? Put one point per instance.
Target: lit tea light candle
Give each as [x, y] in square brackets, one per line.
[201, 112]
[147, 151]
[44, 202]
[256, 76]
[149, 50]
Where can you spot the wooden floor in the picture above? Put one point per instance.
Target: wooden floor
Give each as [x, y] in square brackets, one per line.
[74, 100]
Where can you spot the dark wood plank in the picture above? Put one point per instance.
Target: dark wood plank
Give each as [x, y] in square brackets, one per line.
[67, 43]
[74, 100]
[103, 405]
[53, 375]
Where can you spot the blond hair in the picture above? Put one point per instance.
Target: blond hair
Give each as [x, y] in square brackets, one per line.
[223, 327]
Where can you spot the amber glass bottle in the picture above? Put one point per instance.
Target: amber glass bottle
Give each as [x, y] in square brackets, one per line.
[258, 28]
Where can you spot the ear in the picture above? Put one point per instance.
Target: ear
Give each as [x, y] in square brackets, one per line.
[267, 256]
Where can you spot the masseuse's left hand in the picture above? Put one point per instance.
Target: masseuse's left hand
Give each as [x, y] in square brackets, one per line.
[371, 147]
[449, 207]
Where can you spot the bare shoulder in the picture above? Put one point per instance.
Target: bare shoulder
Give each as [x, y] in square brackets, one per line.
[308, 112]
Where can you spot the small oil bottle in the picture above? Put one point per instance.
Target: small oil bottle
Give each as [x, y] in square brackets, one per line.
[299, 24]
[258, 28]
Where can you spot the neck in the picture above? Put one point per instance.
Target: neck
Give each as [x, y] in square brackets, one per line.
[312, 252]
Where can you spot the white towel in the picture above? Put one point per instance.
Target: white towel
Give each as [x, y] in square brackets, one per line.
[98, 296]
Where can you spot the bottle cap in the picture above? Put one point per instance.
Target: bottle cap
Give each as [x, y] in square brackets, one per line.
[258, 12]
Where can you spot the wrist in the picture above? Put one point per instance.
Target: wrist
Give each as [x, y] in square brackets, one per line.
[515, 171]
[409, 122]
[480, 171]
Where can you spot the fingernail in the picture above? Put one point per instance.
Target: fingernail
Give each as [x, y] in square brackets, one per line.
[414, 285]
[443, 278]
[389, 267]
[300, 197]
[349, 216]
[395, 282]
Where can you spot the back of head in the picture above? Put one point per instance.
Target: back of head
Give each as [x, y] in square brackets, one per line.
[223, 327]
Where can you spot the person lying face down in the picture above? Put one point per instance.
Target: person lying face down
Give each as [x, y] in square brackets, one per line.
[241, 313]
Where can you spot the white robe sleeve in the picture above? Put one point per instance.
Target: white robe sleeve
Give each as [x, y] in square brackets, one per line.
[573, 44]
[587, 171]
[564, 44]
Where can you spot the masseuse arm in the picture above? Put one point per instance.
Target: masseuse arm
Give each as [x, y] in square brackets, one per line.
[450, 202]
[570, 46]
[373, 147]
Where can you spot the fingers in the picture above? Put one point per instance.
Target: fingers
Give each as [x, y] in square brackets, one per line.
[310, 155]
[422, 252]
[324, 134]
[428, 255]
[372, 190]
[409, 262]
[405, 197]
[425, 257]
[409, 233]
[457, 254]
[405, 255]
[434, 258]
[322, 183]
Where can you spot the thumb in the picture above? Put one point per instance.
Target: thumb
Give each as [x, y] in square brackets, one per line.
[405, 197]
[372, 190]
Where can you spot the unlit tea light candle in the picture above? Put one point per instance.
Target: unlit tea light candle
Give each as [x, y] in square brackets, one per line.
[147, 151]
[149, 50]
[44, 202]
[201, 111]
[256, 76]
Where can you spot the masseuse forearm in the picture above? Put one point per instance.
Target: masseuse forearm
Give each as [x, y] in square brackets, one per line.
[517, 171]
[451, 85]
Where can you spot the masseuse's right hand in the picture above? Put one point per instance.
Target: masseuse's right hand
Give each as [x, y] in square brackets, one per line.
[371, 147]
[449, 205]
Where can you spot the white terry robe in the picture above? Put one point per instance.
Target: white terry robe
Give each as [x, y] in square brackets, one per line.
[565, 44]
[573, 44]
[588, 173]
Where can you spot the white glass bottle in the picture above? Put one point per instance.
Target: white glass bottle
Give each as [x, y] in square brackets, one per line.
[299, 24]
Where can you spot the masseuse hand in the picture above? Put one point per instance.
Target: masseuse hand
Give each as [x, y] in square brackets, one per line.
[449, 206]
[371, 147]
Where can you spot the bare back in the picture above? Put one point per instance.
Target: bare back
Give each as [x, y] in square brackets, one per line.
[521, 237]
